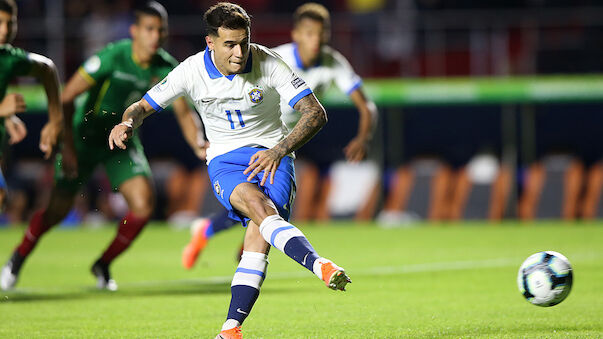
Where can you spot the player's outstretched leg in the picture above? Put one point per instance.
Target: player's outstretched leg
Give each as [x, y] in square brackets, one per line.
[10, 271]
[42, 221]
[202, 230]
[128, 229]
[291, 241]
[139, 195]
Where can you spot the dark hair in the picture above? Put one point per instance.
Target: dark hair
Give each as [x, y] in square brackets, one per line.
[8, 6]
[227, 15]
[314, 11]
[152, 8]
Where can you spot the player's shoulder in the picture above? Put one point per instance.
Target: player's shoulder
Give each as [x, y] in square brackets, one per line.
[261, 51]
[284, 49]
[265, 56]
[8, 50]
[113, 50]
[123, 45]
[331, 56]
[194, 61]
[188, 67]
[165, 58]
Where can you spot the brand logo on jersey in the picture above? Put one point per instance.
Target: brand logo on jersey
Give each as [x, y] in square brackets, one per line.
[297, 82]
[256, 95]
[218, 189]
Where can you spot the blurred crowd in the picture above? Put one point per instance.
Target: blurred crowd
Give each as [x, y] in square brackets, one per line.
[381, 38]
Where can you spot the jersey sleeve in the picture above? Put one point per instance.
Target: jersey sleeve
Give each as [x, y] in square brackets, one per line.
[98, 67]
[22, 62]
[169, 89]
[345, 78]
[289, 86]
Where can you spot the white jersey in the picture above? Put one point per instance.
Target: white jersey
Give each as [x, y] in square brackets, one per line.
[237, 110]
[332, 67]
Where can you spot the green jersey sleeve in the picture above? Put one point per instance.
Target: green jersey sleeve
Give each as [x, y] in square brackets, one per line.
[22, 63]
[15, 61]
[168, 63]
[98, 66]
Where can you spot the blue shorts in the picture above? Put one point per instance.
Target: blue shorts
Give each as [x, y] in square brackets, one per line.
[2, 181]
[226, 172]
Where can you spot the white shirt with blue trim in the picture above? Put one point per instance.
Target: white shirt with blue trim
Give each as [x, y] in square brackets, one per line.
[237, 110]
[331, 67]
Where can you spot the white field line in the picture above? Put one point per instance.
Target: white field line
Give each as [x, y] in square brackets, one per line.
[304, 274]
[382, 270]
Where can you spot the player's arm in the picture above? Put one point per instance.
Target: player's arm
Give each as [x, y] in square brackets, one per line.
[313, 118]
[171, 88]
[357, 148]
[13, 103]
[191, 127]
[45, 71]
[132, 119]
[76, 85]
[15, 128]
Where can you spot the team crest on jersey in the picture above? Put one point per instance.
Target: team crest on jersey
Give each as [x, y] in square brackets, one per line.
[256, 95]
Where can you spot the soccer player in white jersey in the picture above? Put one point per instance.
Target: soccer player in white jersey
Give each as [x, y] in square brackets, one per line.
[237, 87]
[320, 66]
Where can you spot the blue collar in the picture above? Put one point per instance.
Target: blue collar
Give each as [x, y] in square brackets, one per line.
[298, 60]
[213, 71]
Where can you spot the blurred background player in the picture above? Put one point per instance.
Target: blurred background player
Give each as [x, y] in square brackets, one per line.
[113, 78]
[16, 62]
[320, 66]
[236, 87]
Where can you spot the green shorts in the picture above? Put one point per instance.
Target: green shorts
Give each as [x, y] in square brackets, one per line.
[120, 165]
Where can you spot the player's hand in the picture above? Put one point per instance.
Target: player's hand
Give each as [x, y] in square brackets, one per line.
[356, 149]
[48, 138]
[120, 134]
[16, 129]
[267, 161]
[12, 103]
[69, 159]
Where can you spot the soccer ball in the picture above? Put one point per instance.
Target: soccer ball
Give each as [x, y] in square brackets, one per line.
[545, 278]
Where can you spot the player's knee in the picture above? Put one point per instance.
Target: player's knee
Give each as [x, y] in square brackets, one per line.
[259, 205]
[142, 207]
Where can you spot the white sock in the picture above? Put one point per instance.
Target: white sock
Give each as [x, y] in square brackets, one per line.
[277, 231]
[317, 266]
[230, 323]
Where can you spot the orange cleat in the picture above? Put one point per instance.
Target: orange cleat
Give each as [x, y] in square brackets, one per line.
[198, 241]
[334, 276]
[233, 333]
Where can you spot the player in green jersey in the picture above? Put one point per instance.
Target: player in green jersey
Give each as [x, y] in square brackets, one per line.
[113, 78]
[17, 62]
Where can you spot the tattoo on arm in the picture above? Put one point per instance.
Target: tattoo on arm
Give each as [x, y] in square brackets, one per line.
[313, 118]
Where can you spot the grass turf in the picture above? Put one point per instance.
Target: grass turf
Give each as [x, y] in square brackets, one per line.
[432, 281]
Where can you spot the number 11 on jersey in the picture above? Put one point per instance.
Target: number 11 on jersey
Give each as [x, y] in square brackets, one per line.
[239, 115]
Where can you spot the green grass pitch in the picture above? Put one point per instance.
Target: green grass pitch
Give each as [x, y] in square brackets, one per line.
[431, 281]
